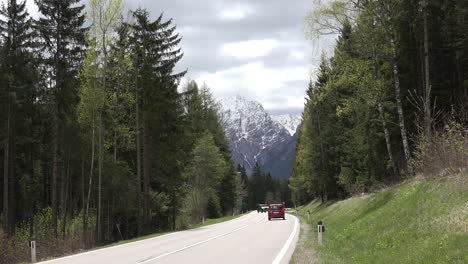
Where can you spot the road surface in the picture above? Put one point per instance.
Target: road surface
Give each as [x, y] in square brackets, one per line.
[248, 239]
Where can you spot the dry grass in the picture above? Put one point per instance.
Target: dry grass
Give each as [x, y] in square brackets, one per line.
[444, 154]
[457, 219]
[304, 253]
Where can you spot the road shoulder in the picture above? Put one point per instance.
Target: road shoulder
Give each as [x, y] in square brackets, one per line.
[291, 245]
[304, 252]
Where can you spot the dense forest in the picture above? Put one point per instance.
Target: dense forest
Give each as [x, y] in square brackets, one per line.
[262, 188]
[391, 102]
[100, 140]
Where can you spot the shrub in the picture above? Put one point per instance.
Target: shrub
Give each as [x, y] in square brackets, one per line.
[445, 153]
[213, 206]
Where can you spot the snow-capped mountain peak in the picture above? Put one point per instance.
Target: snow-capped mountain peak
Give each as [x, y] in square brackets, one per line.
[289, 122]
[254, 136]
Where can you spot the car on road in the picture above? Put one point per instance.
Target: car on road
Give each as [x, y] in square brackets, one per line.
[276, 211]
[262, 208]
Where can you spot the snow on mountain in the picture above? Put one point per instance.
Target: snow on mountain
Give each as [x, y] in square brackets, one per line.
[288, 121]
[254, 136]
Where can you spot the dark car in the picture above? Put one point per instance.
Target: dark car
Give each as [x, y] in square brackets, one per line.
[262, 208]
[276, 211]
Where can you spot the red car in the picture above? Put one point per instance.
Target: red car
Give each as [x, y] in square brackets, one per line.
[276, 211]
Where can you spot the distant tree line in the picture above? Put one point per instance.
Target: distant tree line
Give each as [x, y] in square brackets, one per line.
[394, 93]
[261, 188]
[97, 143]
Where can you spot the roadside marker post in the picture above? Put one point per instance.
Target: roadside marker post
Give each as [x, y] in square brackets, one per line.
[320, 231]
[32, 245]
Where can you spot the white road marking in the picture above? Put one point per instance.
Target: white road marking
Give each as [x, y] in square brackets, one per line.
[106, 248]
[283, 251]
[190, 246]
[124, 244]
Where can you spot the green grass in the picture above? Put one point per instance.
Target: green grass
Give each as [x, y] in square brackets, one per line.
[424, 220]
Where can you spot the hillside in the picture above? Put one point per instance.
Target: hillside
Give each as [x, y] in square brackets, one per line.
[424, 220]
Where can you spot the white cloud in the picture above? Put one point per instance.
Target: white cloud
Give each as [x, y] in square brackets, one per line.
[296, 55]
[288, 102]
[249, 49]
[234, 12]
[266, 85]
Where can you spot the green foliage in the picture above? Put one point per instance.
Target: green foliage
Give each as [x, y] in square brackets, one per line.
[160, 203]
[74, 102]
[205, 174]
[227, 191]
[154, 53]
[213, 207]
[350, 138]
[263, 189]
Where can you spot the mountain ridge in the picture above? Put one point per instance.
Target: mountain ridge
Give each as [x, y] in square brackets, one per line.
[254, 135]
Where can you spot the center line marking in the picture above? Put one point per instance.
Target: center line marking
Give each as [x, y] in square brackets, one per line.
[193, 245]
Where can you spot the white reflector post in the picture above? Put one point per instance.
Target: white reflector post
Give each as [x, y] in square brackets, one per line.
[33, 251]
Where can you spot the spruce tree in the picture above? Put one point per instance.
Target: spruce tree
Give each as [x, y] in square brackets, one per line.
[155, 54]
[17, 97]
[62, 40]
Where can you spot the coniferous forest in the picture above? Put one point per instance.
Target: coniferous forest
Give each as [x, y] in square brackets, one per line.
[101, 140]
[390, 103]
[98, 145]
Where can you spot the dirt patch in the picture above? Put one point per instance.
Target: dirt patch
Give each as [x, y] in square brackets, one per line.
[304, 253]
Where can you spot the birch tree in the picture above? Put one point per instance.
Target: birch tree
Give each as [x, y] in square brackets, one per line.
[105, 16]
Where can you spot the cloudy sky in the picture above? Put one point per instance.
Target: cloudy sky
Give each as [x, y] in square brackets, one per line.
[254, 48]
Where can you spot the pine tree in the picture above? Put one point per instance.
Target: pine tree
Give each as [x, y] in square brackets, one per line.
[243, 188]
[17, 97]
[154, 47]
[227, 190]
[62, 35]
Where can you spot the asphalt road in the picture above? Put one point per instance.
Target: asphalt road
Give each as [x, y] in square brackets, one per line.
[248, 239]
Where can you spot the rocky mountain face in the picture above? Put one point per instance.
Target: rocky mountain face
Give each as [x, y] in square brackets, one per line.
[256, 136]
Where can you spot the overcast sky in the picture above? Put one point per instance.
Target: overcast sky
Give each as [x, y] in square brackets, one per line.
[254, 48]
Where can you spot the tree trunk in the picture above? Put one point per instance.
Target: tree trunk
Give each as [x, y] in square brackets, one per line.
[387, 139]
[65, 188]
[101, 135]
[55, 171]
[401, 117]
[382, 116]
[6, 174]
[174, 211]
[83, 199]
[86, 213]
[146, 174]
[58, 87]
[12, 181]
[427, 84]
[99, 177]
[115, 147]
[138, 156]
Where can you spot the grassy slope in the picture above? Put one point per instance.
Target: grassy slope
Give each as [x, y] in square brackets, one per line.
[420, 221]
